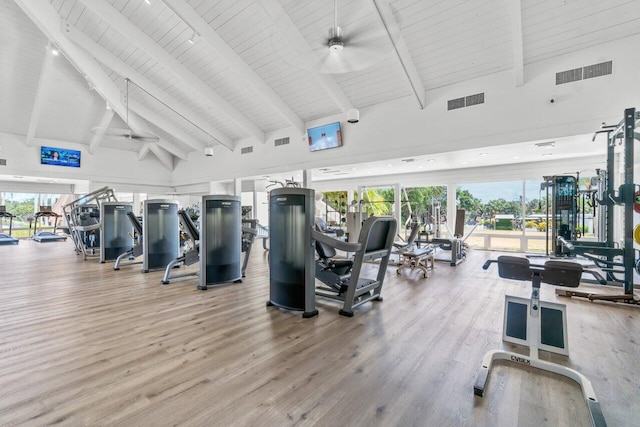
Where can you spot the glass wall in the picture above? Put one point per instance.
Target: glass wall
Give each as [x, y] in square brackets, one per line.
[24, 206]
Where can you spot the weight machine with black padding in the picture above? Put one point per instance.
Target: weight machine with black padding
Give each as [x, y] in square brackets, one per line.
[539, 325]
[617, 262]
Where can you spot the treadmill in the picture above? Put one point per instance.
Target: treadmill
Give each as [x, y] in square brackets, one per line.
[7, 239]
[46, 236]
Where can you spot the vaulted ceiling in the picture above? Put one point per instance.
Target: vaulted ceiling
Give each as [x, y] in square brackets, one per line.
[181, 75]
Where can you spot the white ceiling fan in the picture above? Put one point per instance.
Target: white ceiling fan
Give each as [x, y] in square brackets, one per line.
[364, 41]
[125, 133]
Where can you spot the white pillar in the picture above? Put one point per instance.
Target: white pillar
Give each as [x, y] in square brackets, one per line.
[306, 178]
[451, 207]
[237, 187]
[397, 207]
[136, 203]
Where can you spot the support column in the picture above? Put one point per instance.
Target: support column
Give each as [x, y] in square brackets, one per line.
[237, 187]
[136, 204]
[451, 208]
[306, 178]
[397, 208]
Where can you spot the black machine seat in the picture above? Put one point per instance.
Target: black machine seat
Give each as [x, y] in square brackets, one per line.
[552, 272]
[353, 288]
[408, 244]
[321, 225]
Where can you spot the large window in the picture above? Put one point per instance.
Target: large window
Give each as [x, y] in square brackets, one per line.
[24, 206]
[495, 210]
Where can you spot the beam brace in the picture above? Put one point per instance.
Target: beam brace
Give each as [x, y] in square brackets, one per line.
[401, 49]
[294, 38]
[102, 127]
[117, 65]
[38, 102]
[125, 27]
[185, 12]
[516, 35]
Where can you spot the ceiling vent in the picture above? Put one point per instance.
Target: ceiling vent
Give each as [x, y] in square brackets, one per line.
[597, 70]
[246, 150]
[568, 76]
[281, 141]
[3, 162]
[583, 73]
[545, 144]
[466, 101]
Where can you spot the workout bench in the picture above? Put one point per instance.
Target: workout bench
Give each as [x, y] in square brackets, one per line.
[421, 258]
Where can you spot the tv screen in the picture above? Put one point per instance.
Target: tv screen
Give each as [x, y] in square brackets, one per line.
[59, 157]
[324, 137]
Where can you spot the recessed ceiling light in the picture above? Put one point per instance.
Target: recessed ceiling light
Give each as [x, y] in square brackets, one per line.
[353, 169]
[484, 154]
[147, 1]
[390, 166]
[516, 157]
[55, 52]
[430, 160]
[420, 167]
[369, 172]
[546, 144]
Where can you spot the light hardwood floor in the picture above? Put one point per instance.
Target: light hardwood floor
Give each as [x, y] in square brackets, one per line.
[81, 344]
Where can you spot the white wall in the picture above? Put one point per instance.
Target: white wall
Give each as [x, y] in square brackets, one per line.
[398, 129]
[117, 168]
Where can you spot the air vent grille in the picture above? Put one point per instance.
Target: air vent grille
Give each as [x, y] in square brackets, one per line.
[597, 70]
[246, 150]
[454, 104]
[3, 162]
[568, 76]
[281, 141]
[476, 99]
[466, 101]
[586, 72]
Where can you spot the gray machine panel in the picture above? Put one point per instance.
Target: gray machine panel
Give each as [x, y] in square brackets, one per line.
[220, 240]
[115, 229]
[161, 235]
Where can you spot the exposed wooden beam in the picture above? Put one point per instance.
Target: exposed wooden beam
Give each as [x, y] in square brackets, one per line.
[144, 151]
[165, 158]
[138, 37]
[117, 65]
[401, 49]
[99, 134]
[38, 102]
[516, 35]
[46, 18]
[300, 46]
[202, 27]
[171, 149]
[163, 124]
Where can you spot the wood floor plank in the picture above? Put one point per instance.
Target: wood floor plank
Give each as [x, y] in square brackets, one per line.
[81, 344]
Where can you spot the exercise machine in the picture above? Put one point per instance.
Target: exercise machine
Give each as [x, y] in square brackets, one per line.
[83, 219]
[249, 233]
[161, 234]
[191, 253]
[349, 283]
[291, 258]
[46, 236]
[221, 241]
[454, 249]
[7, 239]
[116, 230]
[136, 237]
[618, 262]
[539, 325]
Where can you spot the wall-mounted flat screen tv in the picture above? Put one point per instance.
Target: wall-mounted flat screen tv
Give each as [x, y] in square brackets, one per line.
[324, 137]
[59, 157]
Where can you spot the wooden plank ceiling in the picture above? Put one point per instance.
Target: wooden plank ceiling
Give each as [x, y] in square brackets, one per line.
[253, 65]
